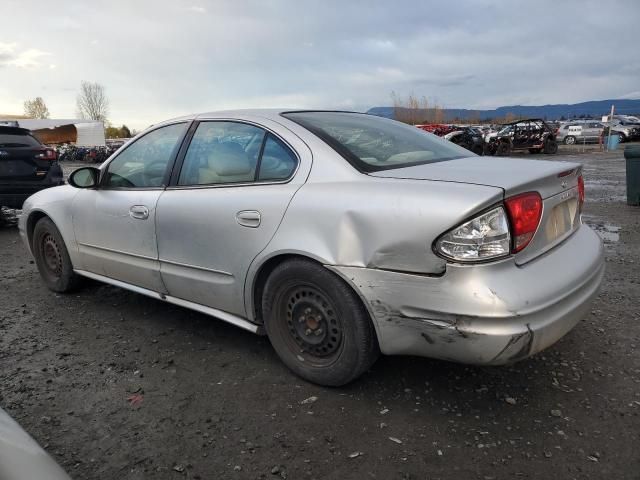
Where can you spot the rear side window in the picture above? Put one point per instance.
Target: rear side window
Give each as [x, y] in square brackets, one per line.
[8, 140]
[278, 161]
[233, 152]
[222, 152]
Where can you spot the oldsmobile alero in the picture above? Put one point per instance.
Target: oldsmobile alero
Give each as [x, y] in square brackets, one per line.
[340, 235]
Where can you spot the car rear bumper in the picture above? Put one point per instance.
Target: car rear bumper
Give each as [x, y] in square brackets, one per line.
[13, 194]
[488, 314]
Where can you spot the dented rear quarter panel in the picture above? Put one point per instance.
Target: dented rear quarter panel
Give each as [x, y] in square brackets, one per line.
[378, 223]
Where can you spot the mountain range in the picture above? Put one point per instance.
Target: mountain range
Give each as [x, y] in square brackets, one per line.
[594, 108]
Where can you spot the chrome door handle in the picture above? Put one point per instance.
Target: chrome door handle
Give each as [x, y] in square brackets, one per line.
[139, 212]
[248, 218]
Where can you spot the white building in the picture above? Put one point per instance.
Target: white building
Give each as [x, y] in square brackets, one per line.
[83, 133]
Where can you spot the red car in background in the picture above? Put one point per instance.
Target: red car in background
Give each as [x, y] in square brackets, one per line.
[438, 129]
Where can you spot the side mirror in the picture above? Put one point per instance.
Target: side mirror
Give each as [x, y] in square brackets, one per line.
[86, 177]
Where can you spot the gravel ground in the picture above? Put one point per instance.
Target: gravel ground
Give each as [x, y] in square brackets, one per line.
[118, 385]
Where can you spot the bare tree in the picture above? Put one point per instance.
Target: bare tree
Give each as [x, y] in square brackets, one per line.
[415, 110]
[36, 108]
[92, 102]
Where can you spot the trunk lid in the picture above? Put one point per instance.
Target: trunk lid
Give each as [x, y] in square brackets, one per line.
[556, 182]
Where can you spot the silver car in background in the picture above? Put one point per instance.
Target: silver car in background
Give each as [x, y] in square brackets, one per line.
[571, 133]
[339, 235]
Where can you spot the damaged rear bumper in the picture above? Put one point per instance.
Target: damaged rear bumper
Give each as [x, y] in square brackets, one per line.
[488, 314]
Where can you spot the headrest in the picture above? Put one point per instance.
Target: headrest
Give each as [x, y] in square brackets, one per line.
[229, 159]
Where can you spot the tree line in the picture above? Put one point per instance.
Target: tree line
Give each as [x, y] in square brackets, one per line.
[91, 104]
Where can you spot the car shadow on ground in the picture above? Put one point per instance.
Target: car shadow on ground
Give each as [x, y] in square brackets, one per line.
[184, 332]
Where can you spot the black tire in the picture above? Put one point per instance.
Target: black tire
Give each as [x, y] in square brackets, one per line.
[550, 147]
[623, 137]
[478, 150]
[569, 140]
[52, 257]
[503, 150]
[302, 298]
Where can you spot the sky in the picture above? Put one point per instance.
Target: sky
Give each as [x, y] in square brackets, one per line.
[159, 59]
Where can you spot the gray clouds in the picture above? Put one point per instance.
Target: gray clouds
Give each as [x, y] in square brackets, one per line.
[160, 59]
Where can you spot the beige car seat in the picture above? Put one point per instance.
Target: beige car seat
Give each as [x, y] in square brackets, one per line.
[226, 163]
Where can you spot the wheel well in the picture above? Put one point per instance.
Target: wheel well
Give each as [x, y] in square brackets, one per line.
[261, 279]
[34, 217]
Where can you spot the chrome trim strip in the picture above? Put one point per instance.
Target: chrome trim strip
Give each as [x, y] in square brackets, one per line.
[213, 312]
[195, 267]
[227, 185]
[136, 255]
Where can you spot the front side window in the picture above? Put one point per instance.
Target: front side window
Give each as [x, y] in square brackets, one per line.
[144, 163]
[373, 143]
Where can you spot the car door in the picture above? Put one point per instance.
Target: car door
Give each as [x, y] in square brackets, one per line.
[114, 224]
[235, 182]
[521, 135]
[593, 131]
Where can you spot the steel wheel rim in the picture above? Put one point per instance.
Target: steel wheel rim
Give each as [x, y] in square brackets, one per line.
[51, 255]
[310, 325]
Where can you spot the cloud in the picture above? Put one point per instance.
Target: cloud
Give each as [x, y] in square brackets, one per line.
[164, 60]
[9, 56]
[631, 95]
[197, 9]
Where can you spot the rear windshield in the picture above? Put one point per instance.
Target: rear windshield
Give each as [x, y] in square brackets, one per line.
[10, 139]
[373, 143]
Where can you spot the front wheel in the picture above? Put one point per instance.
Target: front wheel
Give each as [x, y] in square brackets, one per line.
[317, 324]
[52, 257]
[551, 147]
[569, 140]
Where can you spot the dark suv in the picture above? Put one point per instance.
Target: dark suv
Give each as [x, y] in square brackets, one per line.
[26, 166]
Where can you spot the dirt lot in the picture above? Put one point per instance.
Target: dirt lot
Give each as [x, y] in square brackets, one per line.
[117, 385]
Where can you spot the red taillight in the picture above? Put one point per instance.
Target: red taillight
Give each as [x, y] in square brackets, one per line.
[524, 212]
[47, 154]
[581, 191]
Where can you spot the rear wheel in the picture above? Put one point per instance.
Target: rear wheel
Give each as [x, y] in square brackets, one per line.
[52, 257]
[569, 140]
[317, 324]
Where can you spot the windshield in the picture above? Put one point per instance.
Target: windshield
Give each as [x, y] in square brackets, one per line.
[373, 143]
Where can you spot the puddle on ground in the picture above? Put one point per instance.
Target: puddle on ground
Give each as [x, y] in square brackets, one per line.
[608, 232]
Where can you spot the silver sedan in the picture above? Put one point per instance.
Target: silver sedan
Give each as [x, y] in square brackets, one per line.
[339, 235]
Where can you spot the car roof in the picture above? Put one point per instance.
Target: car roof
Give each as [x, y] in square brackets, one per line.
[525, 120]
[271, 113]
[14, 130]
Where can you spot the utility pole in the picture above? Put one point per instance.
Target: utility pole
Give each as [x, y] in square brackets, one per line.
[610, 128]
